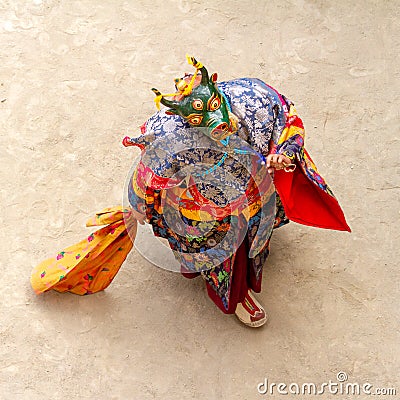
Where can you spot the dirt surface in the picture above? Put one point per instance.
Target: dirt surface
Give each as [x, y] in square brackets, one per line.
[75, 78]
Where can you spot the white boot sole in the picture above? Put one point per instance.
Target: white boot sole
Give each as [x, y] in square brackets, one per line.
[244, 316]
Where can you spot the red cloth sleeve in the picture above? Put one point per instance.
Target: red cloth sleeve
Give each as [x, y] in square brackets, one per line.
[304, 202]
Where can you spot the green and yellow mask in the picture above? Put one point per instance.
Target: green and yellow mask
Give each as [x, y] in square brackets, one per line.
[201, 106]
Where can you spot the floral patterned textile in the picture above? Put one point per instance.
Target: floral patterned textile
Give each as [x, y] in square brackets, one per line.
[177, 184]
[175, 146]
[90, 265]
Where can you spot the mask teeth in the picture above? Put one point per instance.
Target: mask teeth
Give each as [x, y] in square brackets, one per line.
[233, 122]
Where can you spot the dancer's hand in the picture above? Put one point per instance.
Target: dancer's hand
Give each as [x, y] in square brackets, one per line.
[141, 218]
[277, 161]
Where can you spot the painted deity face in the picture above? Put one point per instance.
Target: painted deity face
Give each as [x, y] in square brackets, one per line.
[206, 107]
[203, 107]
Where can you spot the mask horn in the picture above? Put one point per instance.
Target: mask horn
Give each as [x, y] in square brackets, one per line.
[198, 65]
[161, 99]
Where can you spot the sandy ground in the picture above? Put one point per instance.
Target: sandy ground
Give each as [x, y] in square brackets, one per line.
[75, 78]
